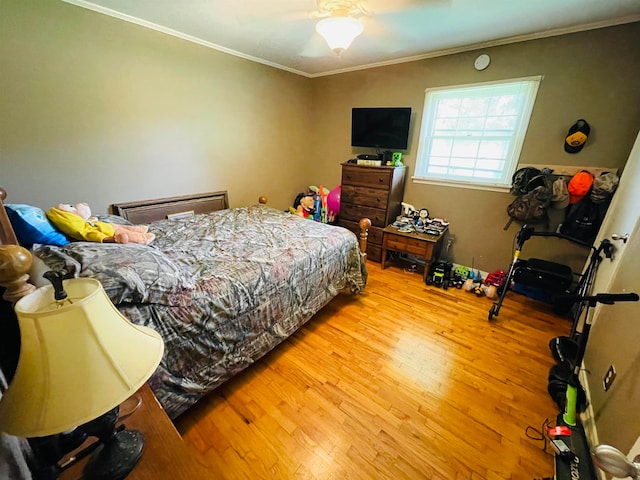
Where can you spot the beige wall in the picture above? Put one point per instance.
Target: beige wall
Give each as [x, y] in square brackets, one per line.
[591, 75]
[100, 110]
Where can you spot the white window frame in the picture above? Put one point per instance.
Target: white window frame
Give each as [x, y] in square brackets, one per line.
[529, 85]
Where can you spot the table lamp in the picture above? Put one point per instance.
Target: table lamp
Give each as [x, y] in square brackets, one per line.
[79, 359]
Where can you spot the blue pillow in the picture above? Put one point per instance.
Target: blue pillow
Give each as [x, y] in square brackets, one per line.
[32, 226]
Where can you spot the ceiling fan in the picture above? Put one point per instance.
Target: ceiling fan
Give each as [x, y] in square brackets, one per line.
[340, 25]
[339, 22]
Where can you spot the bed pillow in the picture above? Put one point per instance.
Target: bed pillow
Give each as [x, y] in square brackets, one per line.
[32, 226]
[129, 273]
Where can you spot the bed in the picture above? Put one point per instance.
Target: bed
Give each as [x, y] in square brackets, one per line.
[222, 286]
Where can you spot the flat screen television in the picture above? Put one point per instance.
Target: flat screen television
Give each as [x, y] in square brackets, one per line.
[384, 127]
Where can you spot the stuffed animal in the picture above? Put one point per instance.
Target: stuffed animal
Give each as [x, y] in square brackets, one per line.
[76, 222]
[303, 205]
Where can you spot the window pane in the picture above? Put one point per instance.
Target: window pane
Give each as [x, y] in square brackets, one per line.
[436, 170]
[504, 125]
[444, 161]
[441, 146]
[474, 107]
[461, 172]
[504, 105]
[445, 126]
[448, 107]
[463, 162]
[489, 164]
[465, 148]
[493, 149]
[472, 125]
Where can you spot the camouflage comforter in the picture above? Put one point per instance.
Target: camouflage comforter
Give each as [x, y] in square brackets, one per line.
[222, 289]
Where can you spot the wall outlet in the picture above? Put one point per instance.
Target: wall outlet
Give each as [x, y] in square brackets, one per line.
[609, 377]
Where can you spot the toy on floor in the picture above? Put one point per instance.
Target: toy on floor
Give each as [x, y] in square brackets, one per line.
[439, 274]
[76, 222]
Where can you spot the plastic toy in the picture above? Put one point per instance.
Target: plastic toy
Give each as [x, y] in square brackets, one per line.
[439, 274]
[76, 222]
[333, 202]
[462, 272]
[408, 210]
[320, 202]
[303, 205]
[457, 281]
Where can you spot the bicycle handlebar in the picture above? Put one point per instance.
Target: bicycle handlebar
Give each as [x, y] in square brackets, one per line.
[560, 235]
[528, 231]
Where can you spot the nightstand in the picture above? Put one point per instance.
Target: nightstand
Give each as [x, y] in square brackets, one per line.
[421, 245]
[165, 455]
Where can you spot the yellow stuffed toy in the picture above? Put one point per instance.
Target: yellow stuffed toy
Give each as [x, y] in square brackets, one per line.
[76, 222]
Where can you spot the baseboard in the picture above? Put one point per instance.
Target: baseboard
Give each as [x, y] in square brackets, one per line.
[588, 420]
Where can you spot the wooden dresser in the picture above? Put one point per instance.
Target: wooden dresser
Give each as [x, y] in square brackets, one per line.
[372, 192]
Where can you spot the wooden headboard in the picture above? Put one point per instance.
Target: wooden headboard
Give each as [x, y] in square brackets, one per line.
[146, 211]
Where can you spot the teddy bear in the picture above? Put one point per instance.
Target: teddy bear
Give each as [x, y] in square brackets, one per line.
[76, 222]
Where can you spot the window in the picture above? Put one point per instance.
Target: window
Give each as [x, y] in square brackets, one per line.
[472, 135]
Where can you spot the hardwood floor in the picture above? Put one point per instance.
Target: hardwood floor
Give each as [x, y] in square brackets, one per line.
[405, 381]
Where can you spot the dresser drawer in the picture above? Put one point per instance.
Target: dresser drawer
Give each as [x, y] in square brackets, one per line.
[374, 253]
[374, 240]
[375, 234]
[349, 211]
[367, 177]
[369, 197]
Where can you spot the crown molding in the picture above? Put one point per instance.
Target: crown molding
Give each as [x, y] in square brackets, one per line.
[439, 53]
[175, 33]
[491, 43]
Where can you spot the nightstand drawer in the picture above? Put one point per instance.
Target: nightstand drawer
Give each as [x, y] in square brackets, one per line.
[366, 177]
[369, 197]
[408, 245]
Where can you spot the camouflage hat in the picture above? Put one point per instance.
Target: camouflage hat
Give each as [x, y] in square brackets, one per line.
[603, 187]
[559, 193]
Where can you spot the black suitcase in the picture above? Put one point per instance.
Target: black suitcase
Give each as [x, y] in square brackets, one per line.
[550, 276]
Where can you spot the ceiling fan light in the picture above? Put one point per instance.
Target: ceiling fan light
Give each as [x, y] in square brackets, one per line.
[339, 32]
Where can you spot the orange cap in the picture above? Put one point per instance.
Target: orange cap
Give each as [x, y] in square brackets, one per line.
[579, 186]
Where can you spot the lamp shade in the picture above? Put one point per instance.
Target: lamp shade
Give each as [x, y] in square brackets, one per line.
[78, 360]
[339, 32]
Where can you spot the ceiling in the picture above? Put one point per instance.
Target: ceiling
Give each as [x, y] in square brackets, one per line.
[281, 33]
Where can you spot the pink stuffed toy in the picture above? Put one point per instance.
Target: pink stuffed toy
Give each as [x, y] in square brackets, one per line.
[76, 222]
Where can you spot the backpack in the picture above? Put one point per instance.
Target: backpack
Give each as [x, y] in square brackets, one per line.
[583, 220]
[526, 179]
[530, 207]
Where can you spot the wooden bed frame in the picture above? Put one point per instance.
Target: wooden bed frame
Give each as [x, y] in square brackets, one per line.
[15, 261]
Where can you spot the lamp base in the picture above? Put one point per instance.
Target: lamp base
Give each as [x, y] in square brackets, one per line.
[116, 457]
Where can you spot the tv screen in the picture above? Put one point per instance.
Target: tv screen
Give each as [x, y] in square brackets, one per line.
[380, 127]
